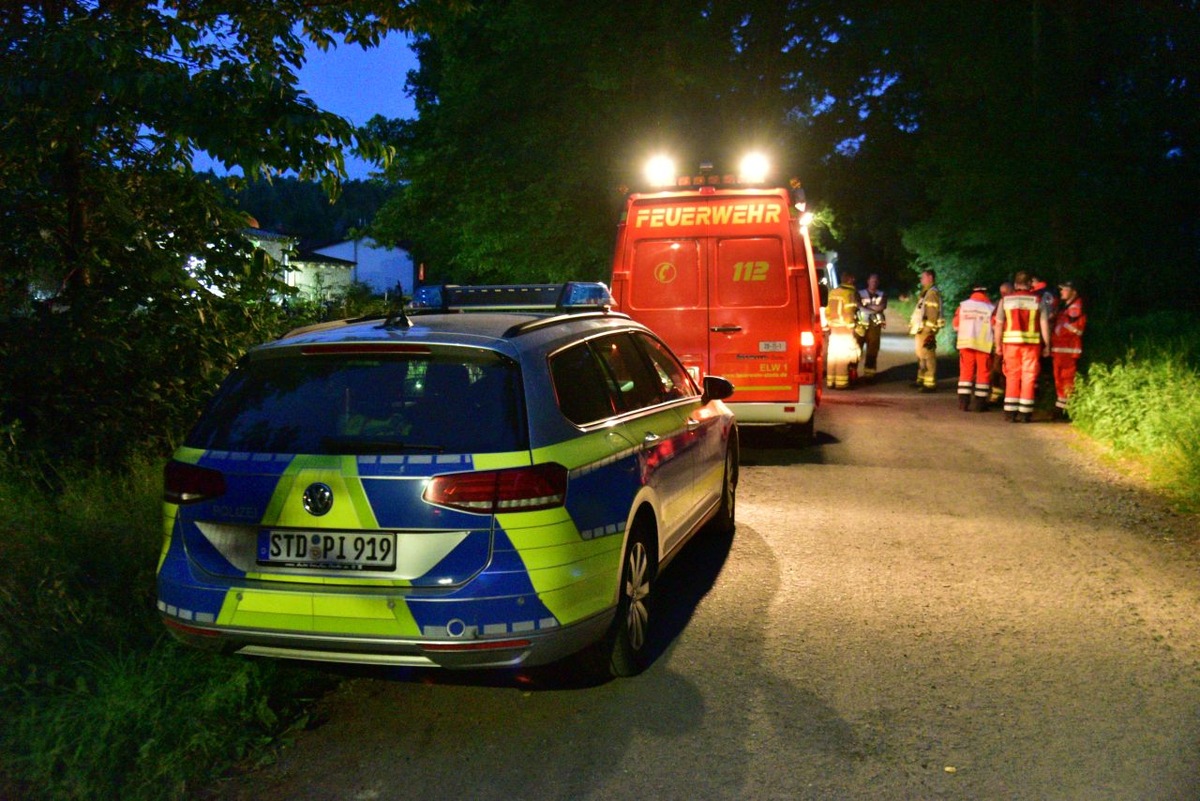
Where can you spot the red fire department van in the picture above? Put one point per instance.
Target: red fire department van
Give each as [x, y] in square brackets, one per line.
[720, 266]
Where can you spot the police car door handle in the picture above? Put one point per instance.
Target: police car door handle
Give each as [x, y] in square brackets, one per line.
[725, 329]
[651, 437]
[692, 424]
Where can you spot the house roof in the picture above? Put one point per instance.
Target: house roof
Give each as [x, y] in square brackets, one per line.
[312, 257]
[266, 236]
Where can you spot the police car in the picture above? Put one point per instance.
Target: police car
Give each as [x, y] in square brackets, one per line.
[493, 478]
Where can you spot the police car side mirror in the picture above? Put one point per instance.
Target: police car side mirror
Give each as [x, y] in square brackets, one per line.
[716, 388]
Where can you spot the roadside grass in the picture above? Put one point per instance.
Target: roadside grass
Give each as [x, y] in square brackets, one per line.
[1146, 406]
[99, 701]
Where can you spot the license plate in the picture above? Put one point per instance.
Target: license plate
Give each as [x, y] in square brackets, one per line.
[339, 550]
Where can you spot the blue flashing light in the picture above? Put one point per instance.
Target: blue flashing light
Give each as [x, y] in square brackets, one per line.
[587, 293]
[427, 297]
[573, 295]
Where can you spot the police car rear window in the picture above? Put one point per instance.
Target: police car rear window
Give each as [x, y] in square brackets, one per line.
[458, 401]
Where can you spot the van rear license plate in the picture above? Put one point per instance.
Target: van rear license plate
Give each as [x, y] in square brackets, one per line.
[774, 346]
[338, 550]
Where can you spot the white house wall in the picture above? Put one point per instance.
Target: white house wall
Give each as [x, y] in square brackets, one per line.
[378, 267]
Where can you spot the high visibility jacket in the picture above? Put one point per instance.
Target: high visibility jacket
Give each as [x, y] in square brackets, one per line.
[1021, 314]
[1067, 336]
[927, 316]
[871, 306]
[842, 309]
[973, 322]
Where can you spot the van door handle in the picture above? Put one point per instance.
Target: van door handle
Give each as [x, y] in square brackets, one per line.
[725, 329]
[651, 437]
[693, 424]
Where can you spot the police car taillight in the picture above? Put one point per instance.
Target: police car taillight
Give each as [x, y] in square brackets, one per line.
[523, 489]
[187, 483]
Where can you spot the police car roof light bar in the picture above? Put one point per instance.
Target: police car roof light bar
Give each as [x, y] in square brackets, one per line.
[572, 295]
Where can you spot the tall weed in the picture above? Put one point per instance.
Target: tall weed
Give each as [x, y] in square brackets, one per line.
[1146, 405]
[99, 702]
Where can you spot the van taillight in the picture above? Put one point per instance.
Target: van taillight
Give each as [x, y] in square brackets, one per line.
[808, 350]
[187, 483]
[522, 489]
[807, 372]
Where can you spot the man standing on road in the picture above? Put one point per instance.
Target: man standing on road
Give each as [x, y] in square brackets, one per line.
[1024, 335]
[841, 313]
[973, 322]
[926, 321]
[1066, 345]
[872, 302]
[1006, 288]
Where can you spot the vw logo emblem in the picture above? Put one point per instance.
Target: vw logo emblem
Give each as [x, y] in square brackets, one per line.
[318, 499]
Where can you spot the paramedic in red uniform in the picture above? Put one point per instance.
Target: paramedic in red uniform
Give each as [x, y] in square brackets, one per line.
[973, 323]
[841, 314]
[1024, 336]
[1066, 345]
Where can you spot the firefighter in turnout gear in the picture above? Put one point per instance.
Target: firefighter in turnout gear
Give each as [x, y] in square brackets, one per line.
[926, 321]
[872, 302]
[1023, 333]
[841, 315]
[973, 323]
[1066, 345]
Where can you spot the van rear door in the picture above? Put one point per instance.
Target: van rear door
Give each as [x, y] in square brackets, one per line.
[713, 276]
[751, 321]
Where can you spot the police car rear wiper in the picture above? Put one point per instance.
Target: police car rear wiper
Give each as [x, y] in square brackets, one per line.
[369, 445]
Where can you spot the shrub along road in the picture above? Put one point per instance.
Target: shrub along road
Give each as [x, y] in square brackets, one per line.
[923, 603]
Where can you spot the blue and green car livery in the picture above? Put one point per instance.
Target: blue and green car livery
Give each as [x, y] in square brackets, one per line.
[483, 489]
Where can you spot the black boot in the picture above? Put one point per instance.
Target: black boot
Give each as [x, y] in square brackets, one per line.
[964, 403]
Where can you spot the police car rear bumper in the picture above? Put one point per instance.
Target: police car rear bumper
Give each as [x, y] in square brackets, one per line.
[509, 650]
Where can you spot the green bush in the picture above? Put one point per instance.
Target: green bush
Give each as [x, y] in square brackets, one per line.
[1145, 405]
[99, 701]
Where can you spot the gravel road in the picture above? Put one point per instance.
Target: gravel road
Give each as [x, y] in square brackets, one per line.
[922, 604]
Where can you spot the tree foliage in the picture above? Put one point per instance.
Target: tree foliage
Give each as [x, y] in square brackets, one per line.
[103, 106]
[1056, 137]
[533, 113]
[300, 208]
[976, 138]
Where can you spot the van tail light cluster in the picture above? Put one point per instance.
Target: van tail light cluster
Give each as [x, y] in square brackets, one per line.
[187, 483]
[808, 357]
[523, 489]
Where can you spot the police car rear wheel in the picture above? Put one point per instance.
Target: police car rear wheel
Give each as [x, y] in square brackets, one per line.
[631, 628]
[726, 515]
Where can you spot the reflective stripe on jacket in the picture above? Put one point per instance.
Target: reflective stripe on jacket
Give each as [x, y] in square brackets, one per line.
[1068, 329]
[927, 316]
[973, 322]
[842, 309]
[1021, 311]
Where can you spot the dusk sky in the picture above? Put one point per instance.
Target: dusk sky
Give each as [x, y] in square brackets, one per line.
[357, 84]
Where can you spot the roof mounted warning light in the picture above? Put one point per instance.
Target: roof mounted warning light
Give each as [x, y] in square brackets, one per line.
[567, 297]
[754, 170]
